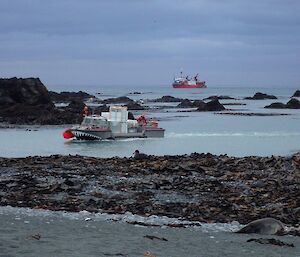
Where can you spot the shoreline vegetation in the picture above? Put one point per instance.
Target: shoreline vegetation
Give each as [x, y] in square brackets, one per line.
[197, 187]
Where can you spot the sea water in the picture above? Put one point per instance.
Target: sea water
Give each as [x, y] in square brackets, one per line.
[27, 232]
[186, 132]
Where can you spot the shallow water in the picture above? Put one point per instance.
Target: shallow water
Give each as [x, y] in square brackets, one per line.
[186, 132]
[89, 235]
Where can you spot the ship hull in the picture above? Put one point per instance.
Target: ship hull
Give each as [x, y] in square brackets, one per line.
[102, 135]
[186, 85]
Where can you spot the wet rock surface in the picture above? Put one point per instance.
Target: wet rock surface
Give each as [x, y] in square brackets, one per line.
[197, 187]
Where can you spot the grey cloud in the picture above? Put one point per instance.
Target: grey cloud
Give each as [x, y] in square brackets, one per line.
[141, 33]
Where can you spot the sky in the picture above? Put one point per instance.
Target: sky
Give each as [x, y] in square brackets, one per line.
[147, 42]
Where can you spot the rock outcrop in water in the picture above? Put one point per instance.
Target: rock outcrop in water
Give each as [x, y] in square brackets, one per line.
[197, 187]
[29, 91]
[27, 101]
[296, 94]
[261, 96]
[70, 96]
[291, 104]
[201, 106]
[213, 105]
[221, 97]
[118, 100]
[186, 103]
[167, 99]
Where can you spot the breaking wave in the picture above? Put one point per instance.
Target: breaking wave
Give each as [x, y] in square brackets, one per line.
[128, 217]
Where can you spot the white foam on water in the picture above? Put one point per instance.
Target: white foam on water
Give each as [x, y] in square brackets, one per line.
[128, 217]
[229, 134]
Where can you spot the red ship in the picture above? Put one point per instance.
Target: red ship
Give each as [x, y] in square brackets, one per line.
[186, 82]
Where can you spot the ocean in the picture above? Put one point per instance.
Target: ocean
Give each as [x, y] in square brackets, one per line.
[186, 132]
[33, 233]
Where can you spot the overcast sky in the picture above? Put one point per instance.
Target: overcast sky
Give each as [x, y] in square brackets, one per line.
[145, 42]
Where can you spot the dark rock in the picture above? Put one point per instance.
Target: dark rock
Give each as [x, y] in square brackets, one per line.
[252, 114]
[155, 237]
[296, 94]
[30, 103]
[135, 93]
[221, 97]
[276, 105]
[76, 106]
[185, 103]
[70, 96]
[213, 105]
[197, 188]
[293, 104]
[130, 116]
[236, 104]
[271, 241]
[118, 100]
[101, 108]
[134, 106]
[168, 99]
[28, 91]
[261, 96]
[199, 104]
[27, 114]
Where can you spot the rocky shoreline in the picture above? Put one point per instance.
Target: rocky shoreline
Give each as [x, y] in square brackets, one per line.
[196, 187]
